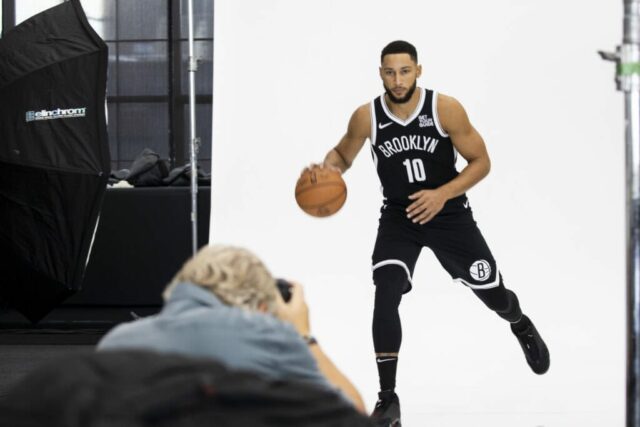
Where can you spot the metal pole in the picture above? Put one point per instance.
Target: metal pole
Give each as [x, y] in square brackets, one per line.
[632, 101]
[194, 141]
[627, 57]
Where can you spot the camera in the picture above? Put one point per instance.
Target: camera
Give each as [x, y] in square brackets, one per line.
[285, 289]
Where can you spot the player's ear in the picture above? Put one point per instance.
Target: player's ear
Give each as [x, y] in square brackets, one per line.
[380, 72]
[419, 71]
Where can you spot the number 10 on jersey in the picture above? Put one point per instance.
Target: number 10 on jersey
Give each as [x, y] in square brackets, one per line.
[415, 170]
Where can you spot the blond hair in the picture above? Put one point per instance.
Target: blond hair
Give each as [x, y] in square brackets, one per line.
[235, 275]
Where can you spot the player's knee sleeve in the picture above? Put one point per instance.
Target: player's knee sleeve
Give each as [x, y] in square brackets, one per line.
[387, 330]
[501, 300]
[390, 281]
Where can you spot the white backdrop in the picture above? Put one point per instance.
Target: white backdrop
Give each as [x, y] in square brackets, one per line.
[287, 76]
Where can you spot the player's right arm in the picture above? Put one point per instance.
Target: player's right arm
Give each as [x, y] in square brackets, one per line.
[342, 155]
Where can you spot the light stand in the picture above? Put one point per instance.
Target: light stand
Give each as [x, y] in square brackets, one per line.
[194, 142]
[627, 58]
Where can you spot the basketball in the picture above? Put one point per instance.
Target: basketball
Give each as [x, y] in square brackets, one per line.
[321, 192]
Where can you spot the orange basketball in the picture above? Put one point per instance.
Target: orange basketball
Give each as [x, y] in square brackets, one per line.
[321, 192]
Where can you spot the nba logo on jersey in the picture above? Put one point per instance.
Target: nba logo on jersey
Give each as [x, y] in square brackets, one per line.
[480, 270]
[425, 121]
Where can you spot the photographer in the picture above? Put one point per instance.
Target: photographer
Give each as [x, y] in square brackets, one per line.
[224, 304]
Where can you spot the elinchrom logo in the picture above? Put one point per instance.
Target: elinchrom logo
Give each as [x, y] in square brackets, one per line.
[58, 113]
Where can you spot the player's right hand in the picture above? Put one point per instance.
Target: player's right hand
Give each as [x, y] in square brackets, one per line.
[322, 165]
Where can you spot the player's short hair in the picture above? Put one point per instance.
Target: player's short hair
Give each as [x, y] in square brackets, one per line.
[400, 46]
[235, 275]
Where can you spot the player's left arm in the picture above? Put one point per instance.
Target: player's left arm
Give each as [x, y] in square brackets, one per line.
[468, 142]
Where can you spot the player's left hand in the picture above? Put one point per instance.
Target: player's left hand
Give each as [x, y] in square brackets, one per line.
[426, 205]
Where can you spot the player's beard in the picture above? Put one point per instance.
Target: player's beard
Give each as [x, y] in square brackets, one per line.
[405, 98]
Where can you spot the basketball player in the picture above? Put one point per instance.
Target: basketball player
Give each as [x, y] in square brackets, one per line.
[416, 135]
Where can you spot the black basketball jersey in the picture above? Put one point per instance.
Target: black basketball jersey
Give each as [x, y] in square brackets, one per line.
[413, 154]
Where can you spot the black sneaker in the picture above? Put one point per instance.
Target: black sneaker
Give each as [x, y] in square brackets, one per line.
[387, 410]
[535, 350]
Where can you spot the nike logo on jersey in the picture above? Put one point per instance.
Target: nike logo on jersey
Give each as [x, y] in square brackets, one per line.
[466, 204]
[380, 360]
[382, 126]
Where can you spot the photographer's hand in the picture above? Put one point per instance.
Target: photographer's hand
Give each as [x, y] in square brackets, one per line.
[296, 310]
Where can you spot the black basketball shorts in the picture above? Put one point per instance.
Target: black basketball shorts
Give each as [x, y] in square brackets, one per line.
[454, 238]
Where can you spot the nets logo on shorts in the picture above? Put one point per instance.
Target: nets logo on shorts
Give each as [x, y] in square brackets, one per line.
[480, 270]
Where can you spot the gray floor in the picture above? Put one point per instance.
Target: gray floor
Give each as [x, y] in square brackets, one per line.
[16, 361]
[66, 330]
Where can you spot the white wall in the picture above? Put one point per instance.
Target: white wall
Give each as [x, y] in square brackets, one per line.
[25, 9]
[287, 76]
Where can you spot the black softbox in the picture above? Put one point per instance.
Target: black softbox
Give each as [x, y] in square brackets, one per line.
[54, 156]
